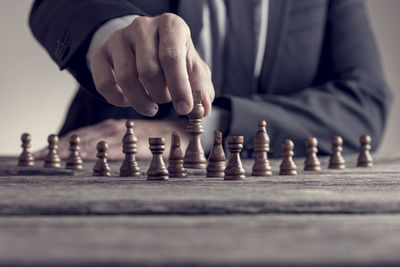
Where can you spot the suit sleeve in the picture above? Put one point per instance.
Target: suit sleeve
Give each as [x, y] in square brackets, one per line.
[64, 28]
[353, 102]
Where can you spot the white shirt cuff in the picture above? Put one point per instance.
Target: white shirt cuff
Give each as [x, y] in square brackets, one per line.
[105, 31]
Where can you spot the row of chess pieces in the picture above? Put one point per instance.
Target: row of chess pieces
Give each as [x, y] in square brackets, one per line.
[194, 156]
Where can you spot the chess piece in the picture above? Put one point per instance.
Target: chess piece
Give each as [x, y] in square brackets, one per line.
[74, 160]
[312, 162]
[288, 167]
[130, 167]
[365, 158]
[157, 170]
[234, 169]
[101, 168]
[52, 160]
[216, 160]
[26, 158]
[336, 160]
[261, 166]
[175, 160]
[194, 155]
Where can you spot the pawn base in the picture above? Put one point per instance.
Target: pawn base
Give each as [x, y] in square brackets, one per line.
[158, 178]
[288, 172]
[261, 173]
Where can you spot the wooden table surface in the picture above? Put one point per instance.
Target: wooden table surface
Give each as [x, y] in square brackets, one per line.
[50, 216]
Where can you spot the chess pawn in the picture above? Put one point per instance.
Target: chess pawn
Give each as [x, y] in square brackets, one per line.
[157, 170]
[175, 160]
[234, 169]
[194, 156]
[130, 167]
[312, 162]
[365, 158]
[288, 167]
[74, 160]
[52, 160]
[26, 158]
[216, 160]
[101, 168]
[336, 160]
[261, 166]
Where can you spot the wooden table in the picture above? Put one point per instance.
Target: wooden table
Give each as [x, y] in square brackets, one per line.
[50, 216]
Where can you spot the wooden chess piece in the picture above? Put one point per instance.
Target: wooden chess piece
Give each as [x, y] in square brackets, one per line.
[336, 161]
[52, 160]
[157, 170]
[101, 168]
[26, 158]
[365, 158]
[261, 166]
[312, 162]
[130, 167]
[234, 169]
[175, 160]
[74, 161]
[216, 160]
[288, 167]
[194, 156]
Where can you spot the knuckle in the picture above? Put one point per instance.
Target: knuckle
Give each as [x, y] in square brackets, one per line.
[170, 55]
[124, 76]
[108, 122]
[149, 71]
[206, 70]
[175, 22]
[168, 18]
[139, 25]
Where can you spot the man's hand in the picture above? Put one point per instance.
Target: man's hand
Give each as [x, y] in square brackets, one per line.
[149, 62]
[112, 131]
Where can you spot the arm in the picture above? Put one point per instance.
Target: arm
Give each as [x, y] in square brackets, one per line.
[355, 100]
[149, 62]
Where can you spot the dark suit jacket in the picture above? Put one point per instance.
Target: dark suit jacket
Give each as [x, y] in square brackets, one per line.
[321, 74]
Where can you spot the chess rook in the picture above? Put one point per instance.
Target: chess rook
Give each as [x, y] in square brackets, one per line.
[130, 167]
[288, 167]
[336, 161]
[194, 156]
[26, 158]
[52, 160]
[261, 166]
[157, 170]
[175, 159]
[234, 169]
[216, 160]
[365, 158]
[101, 168]
[74, 161]
[312, 162]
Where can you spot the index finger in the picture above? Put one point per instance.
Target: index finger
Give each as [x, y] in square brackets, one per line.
[174, 36]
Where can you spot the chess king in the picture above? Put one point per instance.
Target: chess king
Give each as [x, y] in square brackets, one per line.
[279, 60]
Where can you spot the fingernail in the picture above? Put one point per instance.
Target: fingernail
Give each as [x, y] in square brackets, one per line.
[182, 107]
[153, 110]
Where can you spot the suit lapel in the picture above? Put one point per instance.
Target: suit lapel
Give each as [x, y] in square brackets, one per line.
[277, 20]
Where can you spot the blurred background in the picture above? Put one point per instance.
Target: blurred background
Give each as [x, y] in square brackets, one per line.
[34, 94]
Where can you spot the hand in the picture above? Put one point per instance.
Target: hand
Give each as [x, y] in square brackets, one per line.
[149, 62]
[112, 131]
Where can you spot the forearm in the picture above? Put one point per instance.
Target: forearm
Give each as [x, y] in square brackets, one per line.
[335, 108]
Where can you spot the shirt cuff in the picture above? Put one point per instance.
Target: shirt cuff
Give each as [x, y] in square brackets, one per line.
[105, 31]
